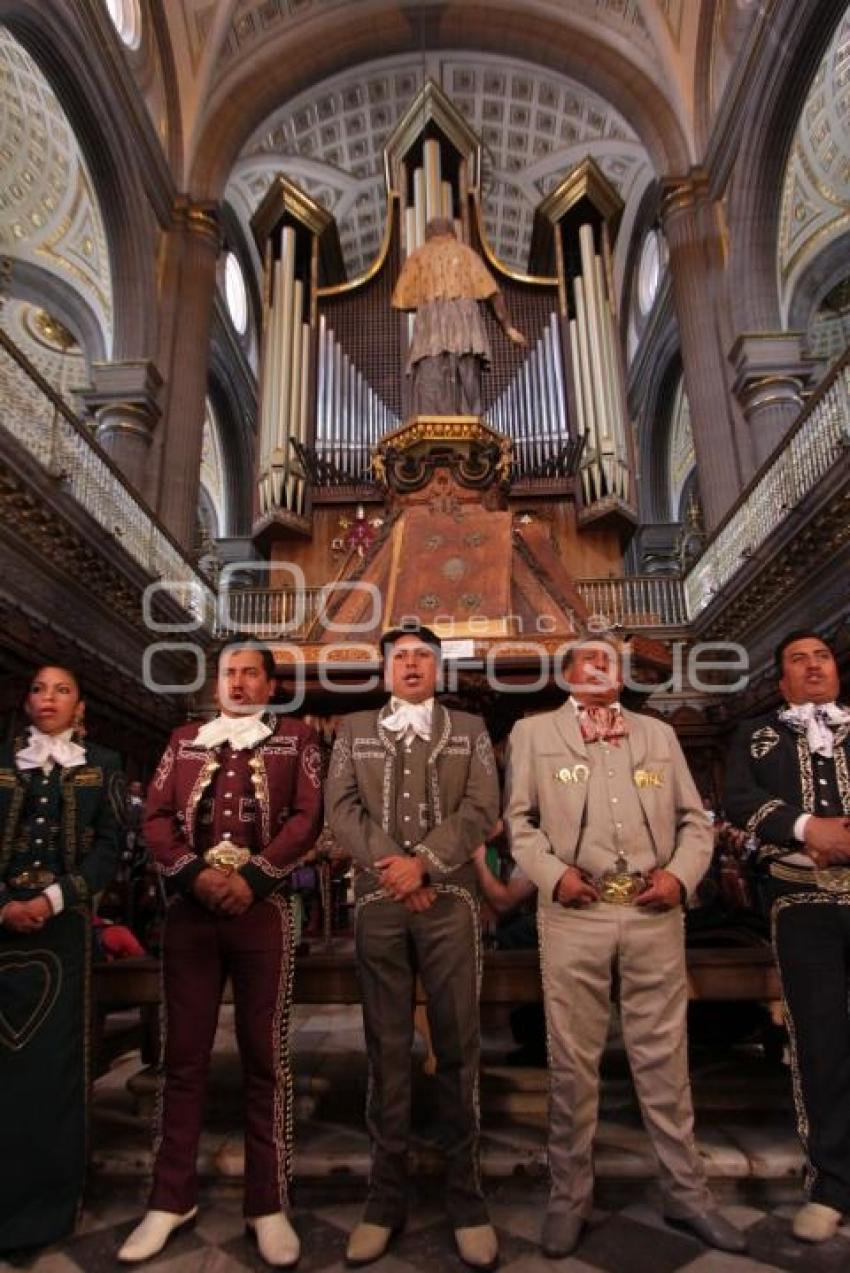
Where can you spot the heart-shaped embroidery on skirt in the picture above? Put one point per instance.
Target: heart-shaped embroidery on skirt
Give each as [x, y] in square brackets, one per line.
[29, 984]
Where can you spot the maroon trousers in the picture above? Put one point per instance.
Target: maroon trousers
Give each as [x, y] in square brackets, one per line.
[200, 950]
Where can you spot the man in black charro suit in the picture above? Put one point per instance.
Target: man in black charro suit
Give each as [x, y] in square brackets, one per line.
[789, 783]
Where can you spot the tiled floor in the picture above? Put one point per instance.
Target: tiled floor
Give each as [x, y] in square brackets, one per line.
[745, 1133]
[629, 1240]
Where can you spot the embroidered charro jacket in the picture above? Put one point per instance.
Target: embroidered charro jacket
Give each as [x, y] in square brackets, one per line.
[266, 798]
[772, 778]
[67, 823]
[438, 800]
[547, 794]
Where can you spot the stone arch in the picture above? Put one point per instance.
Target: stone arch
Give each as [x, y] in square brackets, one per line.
[655, 441]
[236, 411]
[40, 287]
[821, 274]
[652, 381]
[359, 35]
[59, 42]
[799, 35]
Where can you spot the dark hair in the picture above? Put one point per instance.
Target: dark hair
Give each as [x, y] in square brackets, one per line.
[798, 634]
[250, 643]
[414, 629]
[60, 667]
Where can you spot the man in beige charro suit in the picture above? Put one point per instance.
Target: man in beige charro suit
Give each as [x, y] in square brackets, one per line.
[603, 815]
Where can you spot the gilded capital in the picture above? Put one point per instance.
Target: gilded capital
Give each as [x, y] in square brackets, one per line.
[683, 194]
[201, 219]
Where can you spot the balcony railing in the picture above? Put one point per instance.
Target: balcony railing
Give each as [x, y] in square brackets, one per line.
[636, 601]
[818, 441]
[643, 601]
[42, 422]
[268, 613]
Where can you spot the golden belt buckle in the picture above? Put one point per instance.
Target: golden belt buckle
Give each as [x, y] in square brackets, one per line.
[620, 888]
[835, 879]
[35, 877]
[227, 857]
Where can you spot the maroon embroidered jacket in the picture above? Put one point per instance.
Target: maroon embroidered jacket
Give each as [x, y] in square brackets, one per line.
[267, 798]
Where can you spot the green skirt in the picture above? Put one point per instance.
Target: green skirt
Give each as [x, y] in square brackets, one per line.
[44, 1082]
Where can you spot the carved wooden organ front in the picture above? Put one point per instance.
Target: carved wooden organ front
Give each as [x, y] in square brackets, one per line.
[332, 373]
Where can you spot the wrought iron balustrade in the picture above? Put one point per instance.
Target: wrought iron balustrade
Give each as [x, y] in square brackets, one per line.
[40, 420]
[642, 601]
[268, 613]
[635, 601]
[814, 446]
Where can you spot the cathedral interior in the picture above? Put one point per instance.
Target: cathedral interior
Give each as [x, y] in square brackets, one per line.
[206, 428]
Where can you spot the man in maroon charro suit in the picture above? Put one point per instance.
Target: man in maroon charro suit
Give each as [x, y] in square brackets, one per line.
[232, 807]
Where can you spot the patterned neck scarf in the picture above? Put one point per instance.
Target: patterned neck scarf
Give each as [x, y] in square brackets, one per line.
[601, 723]
[817, 721]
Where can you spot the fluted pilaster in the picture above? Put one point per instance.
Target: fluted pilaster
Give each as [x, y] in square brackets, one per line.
[694, 231]
[188, 278]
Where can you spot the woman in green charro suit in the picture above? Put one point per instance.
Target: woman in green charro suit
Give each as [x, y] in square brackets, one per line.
[61, 805]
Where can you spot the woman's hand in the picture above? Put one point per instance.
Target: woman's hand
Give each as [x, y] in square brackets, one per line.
[27, 917]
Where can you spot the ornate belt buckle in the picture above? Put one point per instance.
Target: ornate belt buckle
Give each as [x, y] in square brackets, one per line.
[833, 879]
[227, 857]
[620, 886]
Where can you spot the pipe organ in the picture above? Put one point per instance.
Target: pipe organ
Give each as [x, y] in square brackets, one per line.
[284, 380]
[332, 376]
[532, 411]
[350, 415]
[432, 197]
[600, 401]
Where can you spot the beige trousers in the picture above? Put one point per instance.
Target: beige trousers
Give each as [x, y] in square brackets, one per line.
[580, 949]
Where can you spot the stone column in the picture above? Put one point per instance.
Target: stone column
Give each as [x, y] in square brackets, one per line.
[123, 397]
[657, 548]
[189, 253]
[771, 372]
[694, 231]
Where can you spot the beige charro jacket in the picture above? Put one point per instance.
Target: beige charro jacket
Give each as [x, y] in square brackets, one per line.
[543, 815]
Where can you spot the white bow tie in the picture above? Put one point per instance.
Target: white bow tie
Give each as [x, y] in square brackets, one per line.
[817, 721]
[407, 719]
[47, 749]
[240, 731]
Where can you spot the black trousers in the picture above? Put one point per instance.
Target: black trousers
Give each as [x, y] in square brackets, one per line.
[811, 933]
[442, 946]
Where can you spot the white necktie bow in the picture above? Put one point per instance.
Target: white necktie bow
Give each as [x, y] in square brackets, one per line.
[240, 731]
[408, 719]
[817, 721]
[48, 749]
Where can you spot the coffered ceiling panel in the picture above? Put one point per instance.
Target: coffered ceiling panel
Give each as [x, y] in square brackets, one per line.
[534, 127]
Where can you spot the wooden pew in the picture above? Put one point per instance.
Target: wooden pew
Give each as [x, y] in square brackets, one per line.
[509, 978]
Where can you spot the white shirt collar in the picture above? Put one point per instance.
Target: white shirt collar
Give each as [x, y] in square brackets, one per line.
[241, 732]
[409, 719]
[44, 750]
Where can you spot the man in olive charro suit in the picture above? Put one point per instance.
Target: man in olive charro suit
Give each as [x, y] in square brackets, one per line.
[412, 790]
